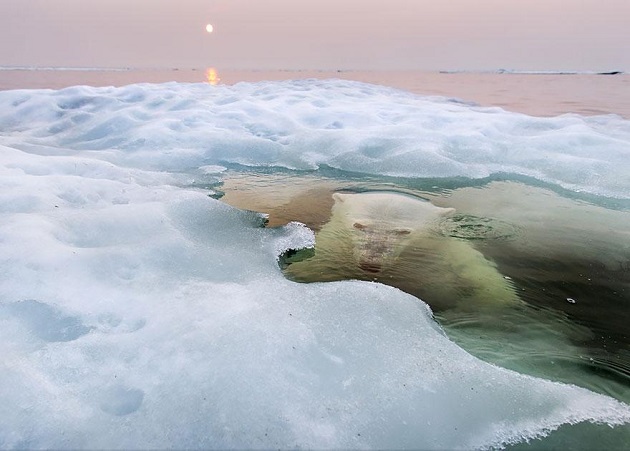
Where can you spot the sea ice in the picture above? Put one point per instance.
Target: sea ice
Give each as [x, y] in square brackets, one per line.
[137, 312]
[306, 124]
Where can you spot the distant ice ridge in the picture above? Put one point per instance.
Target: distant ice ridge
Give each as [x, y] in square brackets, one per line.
[137, 313]
[305, 124]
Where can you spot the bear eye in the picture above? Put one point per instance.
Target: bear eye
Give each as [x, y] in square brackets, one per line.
[402, 232]
[359, 226]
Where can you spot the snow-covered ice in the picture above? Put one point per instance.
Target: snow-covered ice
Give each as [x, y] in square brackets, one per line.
[137, 312]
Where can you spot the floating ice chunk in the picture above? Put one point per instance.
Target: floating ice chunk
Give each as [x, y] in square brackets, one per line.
[293, 236]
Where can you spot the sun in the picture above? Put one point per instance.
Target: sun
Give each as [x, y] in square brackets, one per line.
[209, 28]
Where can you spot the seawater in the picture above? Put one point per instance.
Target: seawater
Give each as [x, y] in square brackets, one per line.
[566, 258]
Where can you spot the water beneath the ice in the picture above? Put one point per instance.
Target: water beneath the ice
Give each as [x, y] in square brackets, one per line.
[564, 258]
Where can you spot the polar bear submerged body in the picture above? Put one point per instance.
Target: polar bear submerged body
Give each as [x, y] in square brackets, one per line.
[395, 239]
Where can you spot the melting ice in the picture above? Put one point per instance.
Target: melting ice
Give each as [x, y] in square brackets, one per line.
[137, 312]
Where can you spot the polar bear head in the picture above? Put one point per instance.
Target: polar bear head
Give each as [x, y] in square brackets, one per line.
[382, 224]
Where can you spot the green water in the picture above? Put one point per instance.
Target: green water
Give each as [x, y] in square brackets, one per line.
[523, 276]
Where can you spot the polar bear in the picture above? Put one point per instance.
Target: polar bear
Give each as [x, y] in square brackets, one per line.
[395, 238]
[383, 224]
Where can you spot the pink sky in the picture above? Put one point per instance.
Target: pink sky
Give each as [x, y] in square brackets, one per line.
[324, 34]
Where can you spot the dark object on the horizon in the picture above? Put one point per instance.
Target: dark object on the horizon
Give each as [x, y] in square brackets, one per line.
[613, 72]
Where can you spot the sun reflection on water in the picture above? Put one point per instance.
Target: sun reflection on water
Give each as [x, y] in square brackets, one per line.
[212, 76]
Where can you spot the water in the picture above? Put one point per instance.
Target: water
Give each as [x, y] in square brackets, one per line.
[564, 265]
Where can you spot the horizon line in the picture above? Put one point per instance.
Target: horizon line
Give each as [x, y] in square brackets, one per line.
[201, 68]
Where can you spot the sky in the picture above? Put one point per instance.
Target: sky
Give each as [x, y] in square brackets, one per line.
[324, 34]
